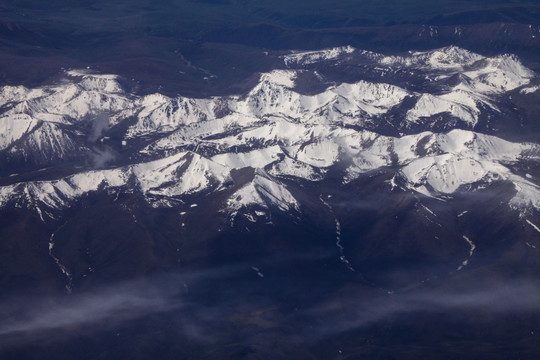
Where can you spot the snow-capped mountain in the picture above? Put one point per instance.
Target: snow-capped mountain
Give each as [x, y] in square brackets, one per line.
[275, 129]
[414, 137]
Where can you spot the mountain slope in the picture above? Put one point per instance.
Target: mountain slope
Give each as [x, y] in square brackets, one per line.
[347, 163]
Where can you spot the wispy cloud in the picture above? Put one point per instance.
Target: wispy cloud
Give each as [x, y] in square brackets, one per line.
[102, 156]
[24, 319]
[358, 310]
[100, 123]
[337, 312]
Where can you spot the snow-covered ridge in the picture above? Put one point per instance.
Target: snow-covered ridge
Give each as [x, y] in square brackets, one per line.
[311, 57]
[484, 74]
[97, 82]
[87, 93]
[448, 58]
[163, 182]
[281, 134]
[428, 163]
[85, 96]
[260, 192]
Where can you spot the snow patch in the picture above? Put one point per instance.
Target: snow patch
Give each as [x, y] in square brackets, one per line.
[530, 90]
[533, 225]
[311, 57]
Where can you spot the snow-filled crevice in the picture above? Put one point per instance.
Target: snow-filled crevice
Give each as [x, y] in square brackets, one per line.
[472, 247]
[339, 245]
[63, 268]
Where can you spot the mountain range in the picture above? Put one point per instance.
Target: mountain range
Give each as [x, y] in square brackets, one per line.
[395, 172]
